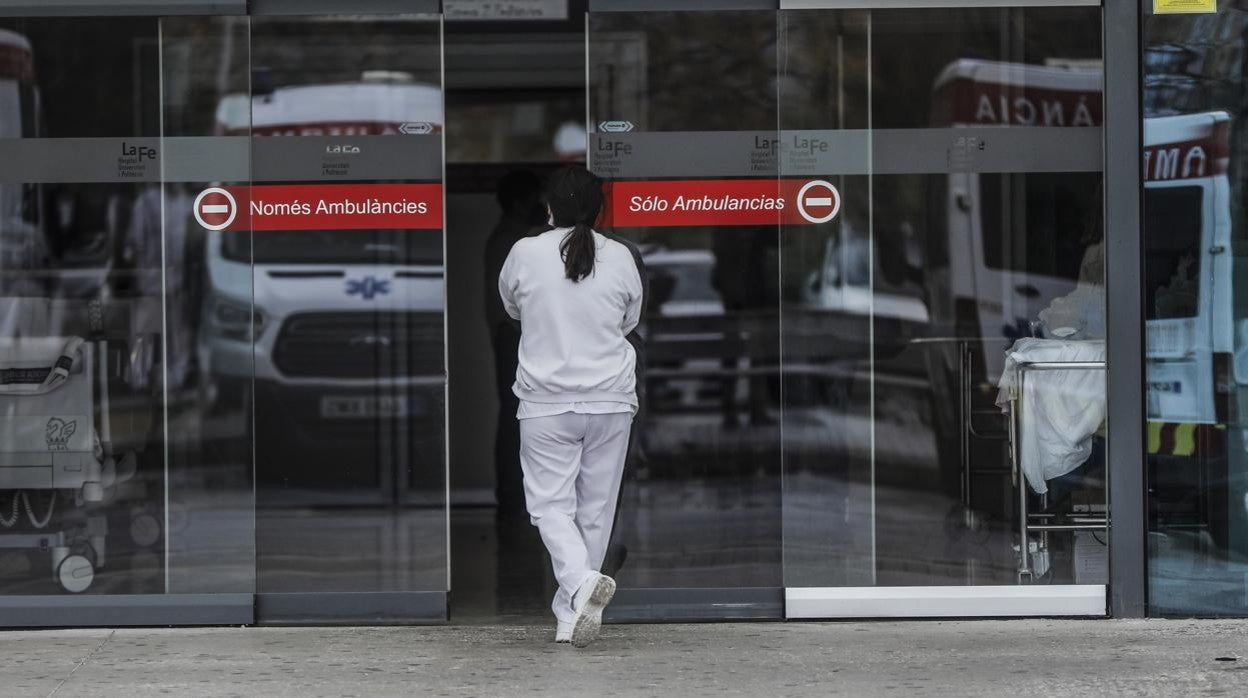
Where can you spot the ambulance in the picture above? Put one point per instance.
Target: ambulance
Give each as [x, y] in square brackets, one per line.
[1189, 279]
[1197, 352]
[348, 324]
[1001, 269]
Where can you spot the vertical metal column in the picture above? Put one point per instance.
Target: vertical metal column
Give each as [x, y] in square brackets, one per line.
[1123, 124]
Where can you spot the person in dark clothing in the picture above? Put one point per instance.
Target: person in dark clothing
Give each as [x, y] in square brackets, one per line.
[740, 277]
[519, 196]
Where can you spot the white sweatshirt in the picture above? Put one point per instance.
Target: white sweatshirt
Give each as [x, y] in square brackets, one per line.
[572, 345]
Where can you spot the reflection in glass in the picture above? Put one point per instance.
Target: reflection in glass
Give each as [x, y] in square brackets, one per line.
[908, 321]
[349, 358]
[700, 505]
[211, 500]
[123, 474]
[1196, 353]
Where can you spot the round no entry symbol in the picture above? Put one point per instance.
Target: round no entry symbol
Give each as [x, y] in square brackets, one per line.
[215, 208]
[818, 201]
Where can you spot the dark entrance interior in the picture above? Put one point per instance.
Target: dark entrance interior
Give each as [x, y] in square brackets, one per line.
[515, 110]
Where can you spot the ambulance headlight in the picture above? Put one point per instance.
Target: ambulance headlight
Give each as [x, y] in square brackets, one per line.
[236, 320]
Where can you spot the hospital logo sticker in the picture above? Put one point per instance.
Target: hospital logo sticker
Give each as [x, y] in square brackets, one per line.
[58, 432]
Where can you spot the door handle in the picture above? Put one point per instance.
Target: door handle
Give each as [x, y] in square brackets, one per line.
[1027, 290]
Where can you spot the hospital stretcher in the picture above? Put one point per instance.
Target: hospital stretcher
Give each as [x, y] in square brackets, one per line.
[60, 468]
[1035, 516]
[1037, 525]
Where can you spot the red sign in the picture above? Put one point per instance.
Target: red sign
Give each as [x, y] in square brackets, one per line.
[720, 202]
[1018, 105]
[1207, 156]
[332, 207]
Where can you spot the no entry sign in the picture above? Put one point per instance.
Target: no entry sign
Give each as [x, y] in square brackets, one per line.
[215, 208]
[720, 202]
[818, 201]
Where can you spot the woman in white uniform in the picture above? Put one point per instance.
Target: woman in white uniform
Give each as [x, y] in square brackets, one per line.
[577, 294]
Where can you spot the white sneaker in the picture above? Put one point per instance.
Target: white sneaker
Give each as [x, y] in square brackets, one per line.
[563, 632]
[590, 599]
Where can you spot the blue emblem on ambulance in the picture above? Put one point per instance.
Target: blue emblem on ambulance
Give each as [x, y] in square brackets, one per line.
[368, 288]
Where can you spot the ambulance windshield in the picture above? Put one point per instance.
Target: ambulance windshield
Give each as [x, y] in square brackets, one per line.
[1037, 223]
[1172, 224]
[402, 247]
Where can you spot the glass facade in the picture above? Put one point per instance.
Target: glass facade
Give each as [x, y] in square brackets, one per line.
[349, 354]
[1196, 311]
[915, 346]
[155, 351]
[966, 147]
[701, 505]
[877, 350]
[122, 471]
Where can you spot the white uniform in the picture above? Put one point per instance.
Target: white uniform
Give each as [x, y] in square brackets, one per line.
[577, 387]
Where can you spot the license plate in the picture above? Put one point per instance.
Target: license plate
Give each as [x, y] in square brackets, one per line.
[364, 407]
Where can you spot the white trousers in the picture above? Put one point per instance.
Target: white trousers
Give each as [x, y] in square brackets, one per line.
[572, 466]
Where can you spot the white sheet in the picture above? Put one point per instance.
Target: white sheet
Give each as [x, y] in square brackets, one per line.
[1061, 410]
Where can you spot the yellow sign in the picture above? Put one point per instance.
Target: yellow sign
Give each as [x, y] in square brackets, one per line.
[1184, 7]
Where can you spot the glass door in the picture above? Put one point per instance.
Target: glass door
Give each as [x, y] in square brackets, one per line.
[943, 331]
[208, 418]
[345, 119]
[126, 487]
[222, 361]
[682, 109]
[877, 284]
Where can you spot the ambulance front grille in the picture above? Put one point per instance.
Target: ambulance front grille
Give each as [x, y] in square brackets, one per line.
[376, 345]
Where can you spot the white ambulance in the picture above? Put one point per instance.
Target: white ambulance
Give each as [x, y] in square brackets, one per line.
[344, 321]
[1189, 274]
[1002, 269]
[1197, 354]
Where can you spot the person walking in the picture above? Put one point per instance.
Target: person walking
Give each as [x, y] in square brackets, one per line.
[577, 295]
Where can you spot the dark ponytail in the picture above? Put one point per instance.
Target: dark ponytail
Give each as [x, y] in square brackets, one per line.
[575, 198]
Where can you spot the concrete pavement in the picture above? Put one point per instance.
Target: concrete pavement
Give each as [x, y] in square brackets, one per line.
[1021, 658]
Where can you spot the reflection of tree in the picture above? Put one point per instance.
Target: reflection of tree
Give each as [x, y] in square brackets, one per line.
[208, 58]
[203, 59]
[1196, 63]
[301, 52]
[705, 71]
[825, 54]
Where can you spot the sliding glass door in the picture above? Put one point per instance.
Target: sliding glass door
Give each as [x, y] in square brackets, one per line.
[874, 240]
[221, 317]
[944, 333]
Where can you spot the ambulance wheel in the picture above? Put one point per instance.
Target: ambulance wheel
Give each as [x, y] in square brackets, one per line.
[75, 573]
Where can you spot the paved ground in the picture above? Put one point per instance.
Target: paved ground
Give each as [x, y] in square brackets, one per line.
[988, 658]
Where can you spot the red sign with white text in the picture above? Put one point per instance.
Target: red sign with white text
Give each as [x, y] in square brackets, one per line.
[1192, 159]
[338, 207]
[720, 202]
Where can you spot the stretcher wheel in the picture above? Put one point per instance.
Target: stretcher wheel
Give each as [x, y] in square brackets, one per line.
[75, 573]
[144, 530]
